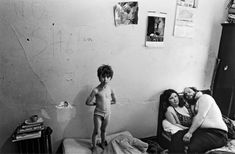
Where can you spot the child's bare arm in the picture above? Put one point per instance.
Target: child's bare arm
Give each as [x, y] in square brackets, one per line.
[90, 98]
[113, 96]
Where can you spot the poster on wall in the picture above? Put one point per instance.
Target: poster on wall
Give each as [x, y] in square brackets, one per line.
[185, 18]
[188, 3]
[126, 13]
[184, 22]
[155, 29]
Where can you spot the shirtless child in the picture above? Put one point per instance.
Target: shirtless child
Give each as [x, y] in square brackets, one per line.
[101, 97]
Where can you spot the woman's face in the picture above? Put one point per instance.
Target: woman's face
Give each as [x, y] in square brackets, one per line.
[174, 100]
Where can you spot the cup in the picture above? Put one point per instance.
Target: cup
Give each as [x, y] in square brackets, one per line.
[34, 118]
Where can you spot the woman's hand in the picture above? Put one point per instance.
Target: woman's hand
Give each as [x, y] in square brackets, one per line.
[187, 137]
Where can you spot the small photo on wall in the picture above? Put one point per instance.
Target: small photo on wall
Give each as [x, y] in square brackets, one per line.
[126, 13]
[155, 29]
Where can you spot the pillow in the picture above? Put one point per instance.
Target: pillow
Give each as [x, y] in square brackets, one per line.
[169, 127]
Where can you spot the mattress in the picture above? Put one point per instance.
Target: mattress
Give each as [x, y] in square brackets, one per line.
[83, 146]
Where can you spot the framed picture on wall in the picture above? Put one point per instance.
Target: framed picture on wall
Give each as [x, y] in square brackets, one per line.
[126, 13]
[155, 29]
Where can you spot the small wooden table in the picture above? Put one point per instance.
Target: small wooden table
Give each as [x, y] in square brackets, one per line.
[38, 144]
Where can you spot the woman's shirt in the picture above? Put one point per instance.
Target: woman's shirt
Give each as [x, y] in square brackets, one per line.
[182, 115]
[184, 120]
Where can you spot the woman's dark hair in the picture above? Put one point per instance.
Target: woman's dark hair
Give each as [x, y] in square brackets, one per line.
[167, 93]
[105, 71]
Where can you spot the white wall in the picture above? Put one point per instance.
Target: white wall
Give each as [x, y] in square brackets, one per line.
[50, 51]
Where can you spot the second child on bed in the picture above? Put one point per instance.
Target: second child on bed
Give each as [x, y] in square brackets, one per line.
[102, 97]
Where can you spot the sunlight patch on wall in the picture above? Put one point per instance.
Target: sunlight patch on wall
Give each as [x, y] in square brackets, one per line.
[45, 114]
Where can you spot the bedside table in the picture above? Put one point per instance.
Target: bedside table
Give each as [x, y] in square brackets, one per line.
[39, 142]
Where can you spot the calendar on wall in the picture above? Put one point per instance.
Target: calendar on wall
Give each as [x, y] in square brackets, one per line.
[185, 18]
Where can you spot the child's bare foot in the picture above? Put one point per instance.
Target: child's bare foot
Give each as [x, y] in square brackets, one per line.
[100, 145]
[103, 144]
[94, 149]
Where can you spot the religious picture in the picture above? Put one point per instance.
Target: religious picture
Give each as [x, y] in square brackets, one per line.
[126, 13]
[155, 29]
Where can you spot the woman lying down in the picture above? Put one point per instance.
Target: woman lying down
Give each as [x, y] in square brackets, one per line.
[200, 119]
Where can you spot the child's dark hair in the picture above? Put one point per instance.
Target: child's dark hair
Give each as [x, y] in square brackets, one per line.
[105, 71]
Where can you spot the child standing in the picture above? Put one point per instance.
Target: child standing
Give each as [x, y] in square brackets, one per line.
[101, 97]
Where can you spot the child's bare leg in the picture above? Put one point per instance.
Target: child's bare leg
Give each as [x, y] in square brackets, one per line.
[97, 124]
[103, 130]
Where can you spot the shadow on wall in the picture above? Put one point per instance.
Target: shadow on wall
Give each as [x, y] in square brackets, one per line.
[22, 91]
[9, 147]
[81, 125]
[212, 56]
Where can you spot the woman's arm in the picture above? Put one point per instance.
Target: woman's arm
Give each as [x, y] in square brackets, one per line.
[172, 118]
[90, 99]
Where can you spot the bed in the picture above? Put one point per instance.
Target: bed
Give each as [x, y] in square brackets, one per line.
[118, 143]
[171, 129]
[166, 129]
[155, 144]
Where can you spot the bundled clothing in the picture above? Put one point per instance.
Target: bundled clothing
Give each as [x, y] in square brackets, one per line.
[125, 144]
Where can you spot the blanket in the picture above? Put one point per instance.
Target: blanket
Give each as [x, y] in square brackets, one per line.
[125, 144]
[228, 149]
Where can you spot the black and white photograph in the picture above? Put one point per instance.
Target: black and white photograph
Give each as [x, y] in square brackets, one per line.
[117, 77]
[155, 29]
[126, 13]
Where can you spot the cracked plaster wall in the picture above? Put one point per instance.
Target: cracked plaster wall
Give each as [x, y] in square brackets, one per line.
[50, 50]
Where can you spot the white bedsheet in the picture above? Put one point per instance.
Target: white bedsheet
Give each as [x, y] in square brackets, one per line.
[125, 144]
[83, 146]
[169, 127]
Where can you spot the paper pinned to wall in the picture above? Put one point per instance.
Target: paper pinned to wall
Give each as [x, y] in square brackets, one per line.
[155, 29]
[185, 16]
[188, 3]
[184, 24]
[126, 13]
